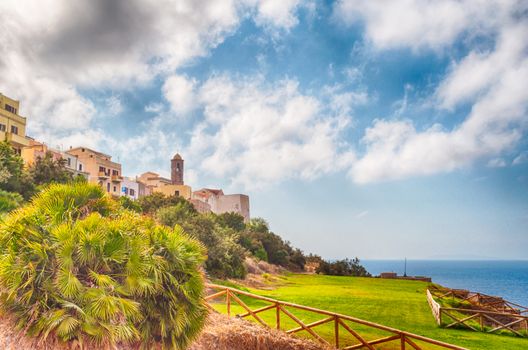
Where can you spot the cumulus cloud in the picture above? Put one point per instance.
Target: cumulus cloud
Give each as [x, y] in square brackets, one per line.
[490, 83]
[422, 24]
[279, 14]
[179, 91]
[52, 49]
[255, 133]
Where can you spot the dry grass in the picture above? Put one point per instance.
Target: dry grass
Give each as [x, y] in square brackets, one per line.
[220, 333]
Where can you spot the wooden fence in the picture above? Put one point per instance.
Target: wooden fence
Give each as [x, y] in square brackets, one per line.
[285, 311]
[487, 302]
[477, 320]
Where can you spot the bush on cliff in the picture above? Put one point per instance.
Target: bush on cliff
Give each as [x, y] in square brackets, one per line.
[74, 265]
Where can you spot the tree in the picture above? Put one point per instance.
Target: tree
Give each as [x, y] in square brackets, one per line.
[176, 214]
[12, 174]
[48, 169]
[151, 203]
[344, 267]
[257, 237]
[75, 265]
[225, 256]
[231, 220]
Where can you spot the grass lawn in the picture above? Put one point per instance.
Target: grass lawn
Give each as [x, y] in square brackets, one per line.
[395, 303]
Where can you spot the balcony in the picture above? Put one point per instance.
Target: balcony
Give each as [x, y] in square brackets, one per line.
[12, 116]
[17, 139]
[117, 178]
[103, 175]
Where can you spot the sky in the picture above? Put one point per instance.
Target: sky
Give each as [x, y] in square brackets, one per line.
[377, 129]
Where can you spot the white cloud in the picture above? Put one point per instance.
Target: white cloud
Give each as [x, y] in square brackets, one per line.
[279, 14]
[256, 133]
[51, 49]
[179, 91]
[497, 163]
[154, 108]
[422, 23]
[114, 106]
[521, 158]
[491, 83]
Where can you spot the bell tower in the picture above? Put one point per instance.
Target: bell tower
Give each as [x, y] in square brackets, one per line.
[177, 170]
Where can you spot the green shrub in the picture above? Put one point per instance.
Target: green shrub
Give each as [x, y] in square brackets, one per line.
[9, 201]
[76, 266]
[130, 204]
[346, 267]
[225, 256]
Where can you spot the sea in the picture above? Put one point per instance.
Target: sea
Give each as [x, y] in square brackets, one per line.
[507, 279]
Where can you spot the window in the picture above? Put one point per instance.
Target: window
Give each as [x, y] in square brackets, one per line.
[69, 162]
[115, 189]
[115, 172]
[2, 127]
[14, 129]
[80, 167]
[177, 193]
[102, 169]
[108, 187]
[132, 192]
[11, 109]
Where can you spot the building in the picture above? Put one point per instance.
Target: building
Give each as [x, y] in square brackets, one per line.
[169, 187]
[177, 169]
[37, 149]
[130, 188]
[200, 206]
[220, 203]
[102, 169]
[12, 125]
[175, 190]
[152, 180]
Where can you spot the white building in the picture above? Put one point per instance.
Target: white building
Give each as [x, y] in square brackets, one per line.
[220, 203]
[130, 188]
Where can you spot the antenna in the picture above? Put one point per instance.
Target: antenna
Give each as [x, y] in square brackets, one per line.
[405, 271]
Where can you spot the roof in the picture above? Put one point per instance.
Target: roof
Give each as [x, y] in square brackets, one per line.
[210, 190]
[90, 150]
[177, 157]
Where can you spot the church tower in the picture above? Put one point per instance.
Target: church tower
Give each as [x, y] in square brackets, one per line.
[177, 170]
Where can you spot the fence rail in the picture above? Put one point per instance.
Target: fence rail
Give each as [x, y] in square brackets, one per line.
[478, 320]
[401, 339]
[489, 302]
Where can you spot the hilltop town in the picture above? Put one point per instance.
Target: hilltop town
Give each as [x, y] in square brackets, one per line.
[99, 168]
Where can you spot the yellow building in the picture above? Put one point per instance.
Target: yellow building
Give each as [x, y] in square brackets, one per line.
[12, 125]
[101, 169]
[175, 190]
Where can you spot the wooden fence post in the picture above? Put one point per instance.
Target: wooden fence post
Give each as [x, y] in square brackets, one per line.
[277, 315]
[228, 303]
[402, 341]
[336, 331]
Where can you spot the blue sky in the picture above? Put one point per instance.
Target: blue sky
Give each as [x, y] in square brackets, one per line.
[373, 129]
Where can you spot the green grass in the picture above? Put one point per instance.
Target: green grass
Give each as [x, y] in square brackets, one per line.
[394, 303]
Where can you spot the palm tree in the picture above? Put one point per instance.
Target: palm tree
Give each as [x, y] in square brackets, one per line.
[77, 266]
